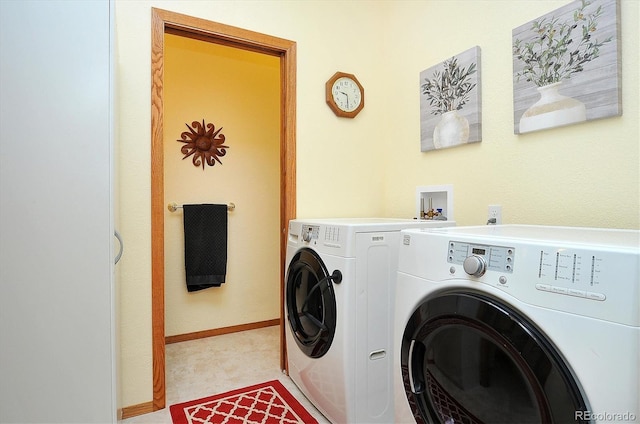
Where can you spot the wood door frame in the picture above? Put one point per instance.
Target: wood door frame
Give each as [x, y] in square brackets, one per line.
[164, 21]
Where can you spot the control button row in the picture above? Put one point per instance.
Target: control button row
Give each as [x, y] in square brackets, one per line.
[571, 292]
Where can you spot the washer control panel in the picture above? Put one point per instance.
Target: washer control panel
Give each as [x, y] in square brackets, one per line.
[478, 258]
[589, 272]
[572, 272]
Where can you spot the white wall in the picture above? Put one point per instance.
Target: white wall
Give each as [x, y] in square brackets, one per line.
[581, 175]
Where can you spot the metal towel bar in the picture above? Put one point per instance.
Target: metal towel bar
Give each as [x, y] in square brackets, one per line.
[174, 207]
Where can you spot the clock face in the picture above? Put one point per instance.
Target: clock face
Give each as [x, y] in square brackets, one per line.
[346, 94]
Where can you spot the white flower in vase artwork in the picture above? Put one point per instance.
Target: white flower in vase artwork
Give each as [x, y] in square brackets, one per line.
[549, 55]
[450, 102]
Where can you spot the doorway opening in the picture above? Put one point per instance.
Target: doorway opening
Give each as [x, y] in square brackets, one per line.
[182, 25]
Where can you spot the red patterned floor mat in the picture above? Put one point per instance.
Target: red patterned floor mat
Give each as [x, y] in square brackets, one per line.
[266, 403]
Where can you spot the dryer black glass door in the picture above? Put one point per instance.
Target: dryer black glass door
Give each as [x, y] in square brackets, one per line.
[311, 303]
[469, 358]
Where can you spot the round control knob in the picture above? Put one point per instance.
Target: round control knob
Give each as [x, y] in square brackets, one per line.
[306, 236]
[474, 265]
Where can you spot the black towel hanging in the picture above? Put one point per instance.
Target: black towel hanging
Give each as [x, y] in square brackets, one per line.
[205, 245]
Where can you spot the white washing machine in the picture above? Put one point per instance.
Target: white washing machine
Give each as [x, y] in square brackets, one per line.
[339, 296]
[518, 324]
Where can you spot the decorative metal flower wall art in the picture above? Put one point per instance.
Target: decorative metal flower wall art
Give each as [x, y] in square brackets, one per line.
[206, 145]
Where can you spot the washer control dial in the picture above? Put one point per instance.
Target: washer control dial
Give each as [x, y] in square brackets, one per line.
[475, 265]
[306, 236]
[310, 232]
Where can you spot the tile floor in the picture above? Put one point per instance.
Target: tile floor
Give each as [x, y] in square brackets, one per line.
[205, 367]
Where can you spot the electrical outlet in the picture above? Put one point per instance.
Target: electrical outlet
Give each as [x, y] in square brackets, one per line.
[495, 214]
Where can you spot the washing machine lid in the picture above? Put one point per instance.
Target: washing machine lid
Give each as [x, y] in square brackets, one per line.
[336, 236]
[367, 224]
[593, 237]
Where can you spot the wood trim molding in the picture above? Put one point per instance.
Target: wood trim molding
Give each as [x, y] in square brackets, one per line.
[157, 210]
[165, 21]
[220, 331]
[135, 410]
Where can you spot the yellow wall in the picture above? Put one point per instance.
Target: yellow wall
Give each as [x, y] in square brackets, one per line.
[239, 93]
[584, 175]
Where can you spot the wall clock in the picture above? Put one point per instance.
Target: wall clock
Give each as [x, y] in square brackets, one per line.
[345, 95]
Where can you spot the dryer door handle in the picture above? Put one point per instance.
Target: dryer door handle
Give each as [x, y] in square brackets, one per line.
[416, 370]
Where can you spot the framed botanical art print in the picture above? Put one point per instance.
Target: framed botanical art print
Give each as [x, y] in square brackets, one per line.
[450, 102]
[566, 66]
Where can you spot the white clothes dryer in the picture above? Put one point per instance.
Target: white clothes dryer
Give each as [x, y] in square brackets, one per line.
[518, 324]
[339, 297]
